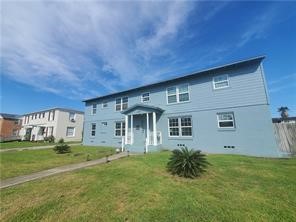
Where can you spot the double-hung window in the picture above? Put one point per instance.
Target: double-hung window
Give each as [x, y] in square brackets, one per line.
[176, 94]
[70, 131]
[145, 97]
[180, 126]
[119, 128]
[226, 120]
[93, 129]
[71, 116]
[94, 109]
[220, 82]
[121, 103]
[104, 104]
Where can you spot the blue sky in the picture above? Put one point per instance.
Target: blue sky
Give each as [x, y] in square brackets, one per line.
[55, 54]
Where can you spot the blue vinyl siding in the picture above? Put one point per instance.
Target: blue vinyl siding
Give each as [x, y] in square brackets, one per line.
[246, 97]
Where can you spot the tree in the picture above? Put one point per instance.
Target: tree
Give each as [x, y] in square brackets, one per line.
[284, 112]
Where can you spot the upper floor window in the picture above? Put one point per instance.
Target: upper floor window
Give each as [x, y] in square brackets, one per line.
[226, 120]
[104, 123]
[43, 114]
[71, 116]
[93, 129]
[121, 103]
[104, 104]
[145, 97]
[94, 109]
[220, 82]
[180, 126]
[176, 94]
[51, 115]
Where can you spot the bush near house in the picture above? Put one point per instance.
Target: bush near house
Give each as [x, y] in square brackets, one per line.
[187, 163]
[49, 139]
[62, 147]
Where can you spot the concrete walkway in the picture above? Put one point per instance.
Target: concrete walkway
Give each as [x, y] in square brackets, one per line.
[45, 173]
[35, 147]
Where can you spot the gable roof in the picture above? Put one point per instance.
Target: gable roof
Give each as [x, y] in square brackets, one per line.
[139, 106]
[198, 73]
[9, 116]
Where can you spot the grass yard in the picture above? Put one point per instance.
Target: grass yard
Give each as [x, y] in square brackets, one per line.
[23, 144]
[138, 188]
[16, 163]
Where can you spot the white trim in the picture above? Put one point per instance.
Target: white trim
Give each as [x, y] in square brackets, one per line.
[178, 94]
[145, 97]
[121, 103]
[154, 129]
[92, 109]
[147, 132]
[126, 129]
[74, 117]
[180, 127]
[132, 129]
[227, 127]
[223, 87]
[104, 102]
[121, 128]
[73, 131]
[91, 129]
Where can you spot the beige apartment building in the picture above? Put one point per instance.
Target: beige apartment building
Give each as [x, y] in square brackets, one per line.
[57, 122]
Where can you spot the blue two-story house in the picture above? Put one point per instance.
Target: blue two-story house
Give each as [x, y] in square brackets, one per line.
[219, 110]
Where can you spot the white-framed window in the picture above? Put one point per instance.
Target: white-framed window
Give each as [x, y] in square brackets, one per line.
[220, 82]
[94, 109]
[104, 123]
[70, 131]
[93, 129]
[120, 128]
[145, 97]
[178, 94]
[180, 126]
[15, 132]
[226, 120]
[104, 104]
[121, 103]
[72, 116]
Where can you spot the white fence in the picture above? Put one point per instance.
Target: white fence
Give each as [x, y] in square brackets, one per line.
[286, 136]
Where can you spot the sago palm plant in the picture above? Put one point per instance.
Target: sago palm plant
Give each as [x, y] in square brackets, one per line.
[187, 163]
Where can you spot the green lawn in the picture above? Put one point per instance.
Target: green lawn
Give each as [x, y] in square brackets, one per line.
[138, 188]
[23, 144]
[15, 163]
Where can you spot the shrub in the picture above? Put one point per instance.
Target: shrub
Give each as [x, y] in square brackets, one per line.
[187, 163]
[61, 147]
[49, 139]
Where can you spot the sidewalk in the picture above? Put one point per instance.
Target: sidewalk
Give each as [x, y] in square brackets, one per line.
[34, 147]
[45, 173]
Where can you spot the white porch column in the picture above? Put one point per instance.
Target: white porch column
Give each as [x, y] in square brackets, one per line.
[126, 128]
[148, 132]
[132, 129]
[154, 129]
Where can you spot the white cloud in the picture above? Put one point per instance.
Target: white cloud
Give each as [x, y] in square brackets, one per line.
[76, 48]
